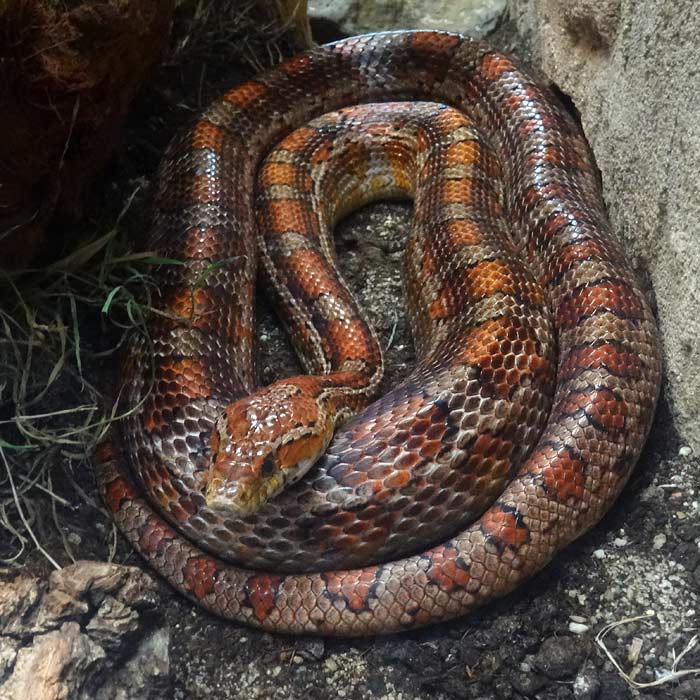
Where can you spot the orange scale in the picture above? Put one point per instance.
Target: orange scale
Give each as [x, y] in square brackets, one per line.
[208, 135]
[247, 94]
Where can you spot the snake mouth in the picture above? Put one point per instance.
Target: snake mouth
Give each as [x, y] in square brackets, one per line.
[243, 496]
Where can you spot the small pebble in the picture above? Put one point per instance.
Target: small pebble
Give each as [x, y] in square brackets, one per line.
[586, 686]
[312, 649]
[659, 541]
[330, 665]
[578, 628]
[527, 684]
[620, 541]
[577, 618]
[599, 554]
[685, 451]
[559, 657]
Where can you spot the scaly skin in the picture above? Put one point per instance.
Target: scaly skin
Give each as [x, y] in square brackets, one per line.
[512, 173]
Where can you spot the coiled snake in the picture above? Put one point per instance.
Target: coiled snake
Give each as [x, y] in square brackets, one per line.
[536, 381]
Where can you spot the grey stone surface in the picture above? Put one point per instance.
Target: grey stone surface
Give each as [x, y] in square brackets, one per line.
[631, 68]
[82, 635]
[473, 17]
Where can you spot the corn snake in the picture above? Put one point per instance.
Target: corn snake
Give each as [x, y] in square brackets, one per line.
[352, 549]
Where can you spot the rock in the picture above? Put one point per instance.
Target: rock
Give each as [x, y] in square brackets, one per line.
[8, 654]
[57, 606]
[613, 687]
[310, 648]
[688, 531]
[73, 590]
[112, 621]
[404, 651]
[56, 665]
[473, 17]
[86, 633]
[560, 657]
[587, 684]
[18, 603]
[630, 69]
[688, 555]
[96, 581]
[145, 674]
[527, 683]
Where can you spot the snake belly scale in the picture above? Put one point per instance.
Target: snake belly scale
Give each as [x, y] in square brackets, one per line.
[536, 382]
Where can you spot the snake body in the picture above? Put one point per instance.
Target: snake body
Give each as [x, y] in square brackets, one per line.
[536, 382]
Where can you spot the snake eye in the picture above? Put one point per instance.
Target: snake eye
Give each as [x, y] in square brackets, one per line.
[268, 466]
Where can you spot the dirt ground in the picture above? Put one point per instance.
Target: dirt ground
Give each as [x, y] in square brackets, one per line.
[536, 643]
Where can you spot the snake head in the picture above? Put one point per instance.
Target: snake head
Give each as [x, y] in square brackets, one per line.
[263, 442]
